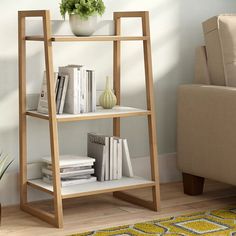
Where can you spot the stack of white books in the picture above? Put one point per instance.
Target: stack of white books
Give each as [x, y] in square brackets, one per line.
[111, 155]
[73, 170]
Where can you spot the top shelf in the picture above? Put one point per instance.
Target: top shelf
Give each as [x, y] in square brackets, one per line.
[71, 38]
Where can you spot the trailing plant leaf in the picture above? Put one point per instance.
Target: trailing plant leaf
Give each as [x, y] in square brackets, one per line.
[5, 169]
[3, 164]
[84, 8]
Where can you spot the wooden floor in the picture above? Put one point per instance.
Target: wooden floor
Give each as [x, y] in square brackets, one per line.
[102, 211]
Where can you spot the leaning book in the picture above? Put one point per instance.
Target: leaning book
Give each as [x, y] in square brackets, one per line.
[43, 97]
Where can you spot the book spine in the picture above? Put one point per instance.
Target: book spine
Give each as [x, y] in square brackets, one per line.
[80, 87]
[78, 90]
[79, 181]
[119, 159]
[127, 166]
[94, 99]
[107, 158]
[87, 92]
[64, 90]
[71, 95]
[43, 98]
[115, 159]
[111, 159]
[58, 101]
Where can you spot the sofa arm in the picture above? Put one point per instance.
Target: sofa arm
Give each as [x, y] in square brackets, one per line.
[206, 131]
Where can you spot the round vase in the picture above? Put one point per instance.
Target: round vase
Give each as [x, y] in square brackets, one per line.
[82, 27]
[107, 99]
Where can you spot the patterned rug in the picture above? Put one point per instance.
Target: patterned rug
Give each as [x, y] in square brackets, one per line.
[217, 222]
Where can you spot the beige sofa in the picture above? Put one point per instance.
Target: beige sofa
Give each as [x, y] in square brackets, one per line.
[206, 113]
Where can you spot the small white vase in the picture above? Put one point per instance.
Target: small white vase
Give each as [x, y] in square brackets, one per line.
[82, 27]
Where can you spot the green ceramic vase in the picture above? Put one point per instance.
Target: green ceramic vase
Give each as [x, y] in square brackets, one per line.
[108, 99]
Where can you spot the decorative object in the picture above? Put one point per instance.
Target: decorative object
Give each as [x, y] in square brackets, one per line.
[4, 164]
[108, 99]
[217, 222]
[83, 15]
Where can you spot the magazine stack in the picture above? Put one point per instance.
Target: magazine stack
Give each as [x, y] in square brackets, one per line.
[74, 170]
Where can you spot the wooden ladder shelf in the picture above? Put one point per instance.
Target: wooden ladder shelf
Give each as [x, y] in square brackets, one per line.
[59, 193]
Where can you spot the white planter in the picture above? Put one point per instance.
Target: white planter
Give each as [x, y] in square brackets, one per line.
[81, 27]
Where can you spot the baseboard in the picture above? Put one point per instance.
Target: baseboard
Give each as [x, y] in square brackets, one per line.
[9, 188]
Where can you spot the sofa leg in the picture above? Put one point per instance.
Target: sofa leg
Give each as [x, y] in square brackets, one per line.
[193, 185]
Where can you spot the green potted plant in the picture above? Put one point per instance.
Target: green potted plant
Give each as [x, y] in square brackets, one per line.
[83, 15]
[4, 164]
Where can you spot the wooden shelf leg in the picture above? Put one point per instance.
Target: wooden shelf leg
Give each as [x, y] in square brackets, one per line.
[150, 106]
[116, 71]
[133, 199]
[22, 111]
[52, 121]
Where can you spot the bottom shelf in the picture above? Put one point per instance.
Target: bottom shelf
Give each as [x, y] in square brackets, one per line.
[94, 188]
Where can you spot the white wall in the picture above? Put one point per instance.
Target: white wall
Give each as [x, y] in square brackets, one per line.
[176, 31]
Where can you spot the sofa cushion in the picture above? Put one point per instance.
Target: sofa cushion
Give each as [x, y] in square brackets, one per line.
[220, 39]
[201, 69]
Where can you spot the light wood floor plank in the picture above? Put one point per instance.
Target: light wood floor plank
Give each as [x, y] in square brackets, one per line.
[97, 212]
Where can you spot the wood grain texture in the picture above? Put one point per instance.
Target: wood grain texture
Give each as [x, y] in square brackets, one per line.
[52, 120]
[22, 109]
[116, 72]
[71, 38]
[151, 106]
[102, 211]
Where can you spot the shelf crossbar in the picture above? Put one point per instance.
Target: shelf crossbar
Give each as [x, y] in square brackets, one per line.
[71, 38]
[120, 112]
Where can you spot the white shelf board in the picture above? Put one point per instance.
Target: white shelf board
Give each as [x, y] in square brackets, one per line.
[95, 187]
[117, 111]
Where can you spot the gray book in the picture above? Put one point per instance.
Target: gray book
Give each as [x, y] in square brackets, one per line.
[98, 148]
[59, 92]
[63, 95]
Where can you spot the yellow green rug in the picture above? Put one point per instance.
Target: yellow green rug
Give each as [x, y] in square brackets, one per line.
[217, 222]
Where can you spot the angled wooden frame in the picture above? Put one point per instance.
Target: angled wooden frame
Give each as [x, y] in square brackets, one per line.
[144, 15]
[56, 218]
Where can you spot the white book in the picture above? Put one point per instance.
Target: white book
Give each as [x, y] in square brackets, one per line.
[68, 174]
[43, 98]
[72, 100]
[127, 169]
[111, 159]
[63, 96]
[94, 92]
[72, 182]
[70, 160]
[81, 70]
[115, 158]
[119, 157]
[87, 93]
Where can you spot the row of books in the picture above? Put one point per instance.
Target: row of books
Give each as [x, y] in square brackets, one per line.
[75, 90]
[73, 170]
[112, 158]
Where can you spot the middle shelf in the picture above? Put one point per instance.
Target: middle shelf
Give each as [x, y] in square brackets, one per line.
[116, 112]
